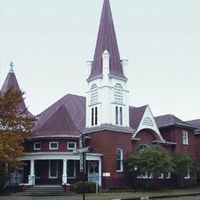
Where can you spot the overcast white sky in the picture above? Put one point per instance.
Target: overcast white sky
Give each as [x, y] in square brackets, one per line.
[50, 40]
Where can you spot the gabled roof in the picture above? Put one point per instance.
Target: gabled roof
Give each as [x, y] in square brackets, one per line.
[142, 118]
[135, 116]
[12, 83]
[170, 120]
[106, 41]
[65, 117]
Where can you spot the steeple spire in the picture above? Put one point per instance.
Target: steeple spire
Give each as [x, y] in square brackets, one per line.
[12, 83]
[107, 41]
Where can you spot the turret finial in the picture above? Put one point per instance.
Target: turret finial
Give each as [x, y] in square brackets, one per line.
[11, 67]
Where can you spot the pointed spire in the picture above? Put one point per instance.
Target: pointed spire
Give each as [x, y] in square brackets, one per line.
[12, 83]
[107, 41]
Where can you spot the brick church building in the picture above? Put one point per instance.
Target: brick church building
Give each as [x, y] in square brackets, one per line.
[112, 128]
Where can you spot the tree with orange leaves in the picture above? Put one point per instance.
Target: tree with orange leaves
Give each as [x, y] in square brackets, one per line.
[16, 125]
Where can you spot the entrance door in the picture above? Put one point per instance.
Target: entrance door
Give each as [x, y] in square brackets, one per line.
[93, 171]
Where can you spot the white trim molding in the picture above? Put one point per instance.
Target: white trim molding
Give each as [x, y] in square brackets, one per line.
[148, 122]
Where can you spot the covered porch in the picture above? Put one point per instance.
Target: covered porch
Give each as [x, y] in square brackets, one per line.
[53, 168]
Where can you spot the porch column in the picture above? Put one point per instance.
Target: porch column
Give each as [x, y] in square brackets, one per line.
[100, 172]
[64, 175]
[31, 177]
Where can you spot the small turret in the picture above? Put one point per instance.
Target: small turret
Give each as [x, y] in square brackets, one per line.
[12, 83]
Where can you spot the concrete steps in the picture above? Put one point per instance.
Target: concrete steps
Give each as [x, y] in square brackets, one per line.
[43, 191]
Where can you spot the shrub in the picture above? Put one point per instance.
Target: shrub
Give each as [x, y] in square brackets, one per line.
[88, 186]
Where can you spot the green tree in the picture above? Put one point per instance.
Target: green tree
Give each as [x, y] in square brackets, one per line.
[196, 164]
[184, 164]
[152, 160]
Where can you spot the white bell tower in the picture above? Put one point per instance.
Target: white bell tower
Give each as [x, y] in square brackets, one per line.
[107, 94]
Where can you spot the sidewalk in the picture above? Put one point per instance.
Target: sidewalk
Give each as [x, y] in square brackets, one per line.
[137, 195]
[116, 196]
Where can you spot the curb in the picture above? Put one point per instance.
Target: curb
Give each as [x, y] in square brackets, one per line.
[160, 197]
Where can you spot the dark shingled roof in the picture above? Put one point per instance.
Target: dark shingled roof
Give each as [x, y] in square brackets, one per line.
[107, 41]
[65, 117]
[170, 120]
[110, 127]
[196, 123]
[12, 83]
[135, 116]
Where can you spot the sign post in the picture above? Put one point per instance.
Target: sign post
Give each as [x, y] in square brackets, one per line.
[82, 152]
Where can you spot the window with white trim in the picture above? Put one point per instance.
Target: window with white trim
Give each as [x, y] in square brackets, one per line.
[53, 169]
[37, 146]
[118, 94]
[168, 175]
[142, 147]
[145, 176]
[185, 137]
[94, 94]
[118, 115]
[53, 145]
[71, 145]
[94, 116]
[165, 175]
[119, 160]
[187, 176]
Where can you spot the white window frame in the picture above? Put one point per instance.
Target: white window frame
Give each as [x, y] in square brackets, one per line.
[53, 148]
[94, 116]
[185, 137]
[53, 177]
[145, 176]
[34, 146]
[69, 148]
[121, 160]
[188, 176]
[119, 115]
[166, 177]
[161, 176]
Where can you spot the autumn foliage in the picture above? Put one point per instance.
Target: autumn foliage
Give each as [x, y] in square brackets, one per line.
[16, 125]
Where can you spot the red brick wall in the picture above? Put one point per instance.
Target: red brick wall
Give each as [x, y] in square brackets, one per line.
[146, 137]
[197, 144]
[106, 143]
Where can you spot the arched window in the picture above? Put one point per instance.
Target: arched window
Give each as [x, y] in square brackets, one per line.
[118, 94]
[119, 160]
[94, 94]
[142, 147]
